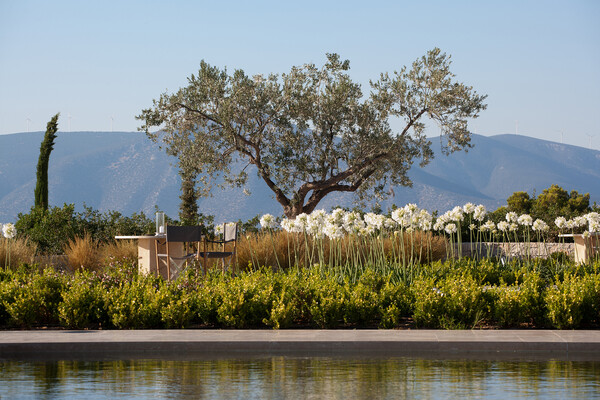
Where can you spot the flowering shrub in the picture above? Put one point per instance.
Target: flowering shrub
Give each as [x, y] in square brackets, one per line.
[569, 299]
[83, 303]
[518, 303]
[448, 296]
[451, 303]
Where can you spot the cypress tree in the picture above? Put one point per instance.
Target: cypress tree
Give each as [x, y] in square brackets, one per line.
[41, 187]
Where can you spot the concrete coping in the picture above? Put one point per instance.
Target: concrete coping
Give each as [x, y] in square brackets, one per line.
[183, 344]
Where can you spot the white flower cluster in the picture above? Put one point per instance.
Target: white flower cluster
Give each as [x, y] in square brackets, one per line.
[8, 230]
[339, 223]
[409, 218]
[592, 220]
[449, 220]
[268, 221]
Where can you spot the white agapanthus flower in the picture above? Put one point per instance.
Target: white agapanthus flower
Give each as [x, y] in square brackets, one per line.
[288, 225]
[375, 221]
[9, 231]
[503, 226]
[472, 227]
[439, 225]
[219, 229]
[540, 226]
[586, 234]
[333, 230]
[469, 208]
[560, 222]
[525, 220]
[301, 223]
[511, 216]
[389, 223]
[338, 215]
[479, 213]
[422, 220]
[353, 223]
[580, 222]
[593, 216]
[594, 226]
[267, 221]
[456, 214]
[488, 226]
[450, 228]
[513, 227]
[316, 223]
[398, 216]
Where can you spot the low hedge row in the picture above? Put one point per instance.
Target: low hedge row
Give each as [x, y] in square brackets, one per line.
[122, 299]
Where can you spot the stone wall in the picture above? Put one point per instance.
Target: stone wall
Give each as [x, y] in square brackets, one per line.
[542, 250]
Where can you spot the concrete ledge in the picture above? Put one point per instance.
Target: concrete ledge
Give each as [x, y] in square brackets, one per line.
[177, 344]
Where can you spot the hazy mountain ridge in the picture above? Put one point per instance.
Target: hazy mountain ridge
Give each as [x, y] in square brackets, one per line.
[127, 172]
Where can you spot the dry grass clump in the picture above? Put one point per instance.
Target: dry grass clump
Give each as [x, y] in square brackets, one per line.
[119, 250]
[82, 253]
[17, 251]
[287, 249]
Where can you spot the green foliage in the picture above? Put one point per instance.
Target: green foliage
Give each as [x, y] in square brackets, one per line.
[322, 298]
[83, 304]
[33, 301]
[52, 229]
[569, 300]
[396, 302]
[119, 298]
[312, 131]
[518, 303]
[41, 186]
[103, 227]
[248, 300]
[136, 304]
[456, 302]
[49, 229]
[519, 202]
[556, 201]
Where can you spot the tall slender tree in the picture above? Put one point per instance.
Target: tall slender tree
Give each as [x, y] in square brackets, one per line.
[41, 187]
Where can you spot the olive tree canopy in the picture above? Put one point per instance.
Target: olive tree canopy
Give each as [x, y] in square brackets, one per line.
[313, 131]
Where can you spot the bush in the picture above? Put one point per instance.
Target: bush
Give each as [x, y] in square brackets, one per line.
[83, 303]
[35, 301]
[49, 229]
[52, 229]
[519, 303]
[572, 300]
[136, 304]
[322, 298]
[247, 299]
[118, 297]
[456, 302]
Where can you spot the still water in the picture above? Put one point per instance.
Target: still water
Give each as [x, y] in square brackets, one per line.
[281, 377]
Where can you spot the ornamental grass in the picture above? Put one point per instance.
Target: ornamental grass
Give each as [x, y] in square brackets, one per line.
[283, 250]
[16, 251]
[82, 253]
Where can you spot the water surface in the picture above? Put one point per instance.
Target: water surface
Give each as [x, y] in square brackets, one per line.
[280, 377]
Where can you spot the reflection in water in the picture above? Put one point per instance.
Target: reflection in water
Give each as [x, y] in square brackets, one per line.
[300, 378]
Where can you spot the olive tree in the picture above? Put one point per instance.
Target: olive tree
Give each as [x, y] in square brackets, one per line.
[313, 131]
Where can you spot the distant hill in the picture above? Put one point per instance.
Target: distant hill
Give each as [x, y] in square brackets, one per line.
[125, 171]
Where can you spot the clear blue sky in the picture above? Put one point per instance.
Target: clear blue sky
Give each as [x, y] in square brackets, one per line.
[539, 61]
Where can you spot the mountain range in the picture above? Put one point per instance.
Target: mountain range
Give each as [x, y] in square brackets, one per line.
[126, 172]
